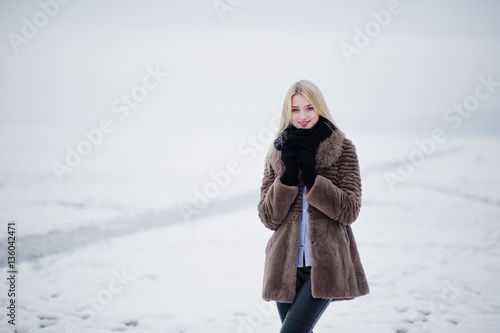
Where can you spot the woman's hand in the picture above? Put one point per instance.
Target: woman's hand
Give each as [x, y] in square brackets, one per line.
[289, 158]
[306, 160]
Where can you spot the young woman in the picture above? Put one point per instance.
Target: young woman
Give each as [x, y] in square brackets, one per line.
[310, 195]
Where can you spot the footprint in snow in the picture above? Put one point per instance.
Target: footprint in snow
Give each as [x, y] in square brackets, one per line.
[48, 321]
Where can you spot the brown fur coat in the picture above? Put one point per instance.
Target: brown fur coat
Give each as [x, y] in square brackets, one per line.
[334, 203]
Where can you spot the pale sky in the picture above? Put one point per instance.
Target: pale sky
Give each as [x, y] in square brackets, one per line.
[429, 55]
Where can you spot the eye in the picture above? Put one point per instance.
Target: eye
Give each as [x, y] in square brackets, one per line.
[293, 110]
[310, 108]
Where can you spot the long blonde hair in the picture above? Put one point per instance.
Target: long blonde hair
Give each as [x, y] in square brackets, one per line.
[310, 91]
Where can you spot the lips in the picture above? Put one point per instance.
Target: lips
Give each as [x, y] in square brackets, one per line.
[303, 123]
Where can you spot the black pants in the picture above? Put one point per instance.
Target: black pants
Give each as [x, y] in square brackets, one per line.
[304, 312]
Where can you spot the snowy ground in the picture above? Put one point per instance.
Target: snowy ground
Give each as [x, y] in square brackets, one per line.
[108, 251]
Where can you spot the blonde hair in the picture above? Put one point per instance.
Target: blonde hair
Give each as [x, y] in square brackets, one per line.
[310, 91]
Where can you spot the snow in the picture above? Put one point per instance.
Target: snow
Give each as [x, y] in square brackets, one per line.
[157, 230]
[430, 249]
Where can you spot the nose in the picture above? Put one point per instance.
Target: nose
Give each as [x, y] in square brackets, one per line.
[302, 114]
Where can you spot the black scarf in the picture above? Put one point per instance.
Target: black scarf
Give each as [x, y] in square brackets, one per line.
[310, 137]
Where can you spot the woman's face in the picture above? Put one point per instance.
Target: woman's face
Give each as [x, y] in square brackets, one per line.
[303, 114]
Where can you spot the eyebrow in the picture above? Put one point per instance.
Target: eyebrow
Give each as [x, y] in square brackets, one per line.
[293, 106]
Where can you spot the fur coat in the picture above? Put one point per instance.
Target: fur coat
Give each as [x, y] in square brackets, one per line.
[334, 203]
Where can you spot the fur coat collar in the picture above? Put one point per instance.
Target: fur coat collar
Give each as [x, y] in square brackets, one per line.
[328, 153]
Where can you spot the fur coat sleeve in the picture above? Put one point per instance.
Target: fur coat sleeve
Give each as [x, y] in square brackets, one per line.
[276, 199]
[340, 201]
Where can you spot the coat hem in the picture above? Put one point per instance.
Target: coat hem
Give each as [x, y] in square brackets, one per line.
[333, 299]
